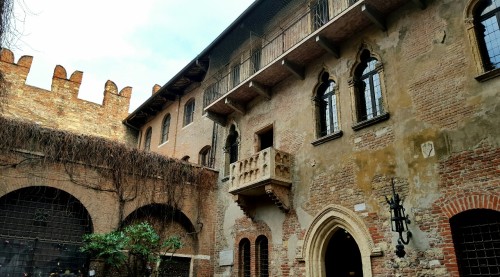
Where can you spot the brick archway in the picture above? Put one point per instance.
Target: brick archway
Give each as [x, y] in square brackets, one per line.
[447, 207]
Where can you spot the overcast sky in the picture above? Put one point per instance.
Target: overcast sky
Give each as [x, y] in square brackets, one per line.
[132, 43]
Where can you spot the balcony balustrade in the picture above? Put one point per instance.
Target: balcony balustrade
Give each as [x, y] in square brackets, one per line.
[268, 172]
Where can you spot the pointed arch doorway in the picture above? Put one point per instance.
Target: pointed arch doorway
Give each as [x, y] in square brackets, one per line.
[342, 257]
[338, 244]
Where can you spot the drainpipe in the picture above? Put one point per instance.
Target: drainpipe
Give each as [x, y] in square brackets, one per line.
[177, 124]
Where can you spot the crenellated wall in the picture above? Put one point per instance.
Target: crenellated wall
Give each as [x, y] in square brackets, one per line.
[60, 107]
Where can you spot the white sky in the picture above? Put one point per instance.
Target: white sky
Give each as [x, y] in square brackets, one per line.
[132, 43]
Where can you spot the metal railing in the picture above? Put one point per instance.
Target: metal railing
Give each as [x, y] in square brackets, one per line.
[305, 24]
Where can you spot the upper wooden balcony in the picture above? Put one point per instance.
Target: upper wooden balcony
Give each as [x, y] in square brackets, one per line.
[264, 173]
[308, 37]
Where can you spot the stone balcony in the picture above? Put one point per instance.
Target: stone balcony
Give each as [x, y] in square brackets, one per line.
[268, 172]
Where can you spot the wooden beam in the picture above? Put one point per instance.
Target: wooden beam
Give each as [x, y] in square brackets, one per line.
[260, 89]
[235, 106]
[201, 65]
[420, 3]
[295, 69]
[217, 118]
[374, 15]
[328, 46]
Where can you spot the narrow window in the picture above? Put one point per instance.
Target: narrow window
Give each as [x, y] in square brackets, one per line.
[231, 148]
[255, 60]
[326, 103]
[165, 126]
[368, 89]
[189, 112]
[262, 256]
[476, 236]
[319, 11]
[147, 139]
[205, 159]
[487, 21]
[244, 258]
[235, 75]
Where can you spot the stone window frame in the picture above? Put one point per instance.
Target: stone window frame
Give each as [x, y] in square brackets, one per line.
[379, 68]
[147, 139]
[165, 127]
[189, 109]
[231, 131]
[482, 74]
[336, 133]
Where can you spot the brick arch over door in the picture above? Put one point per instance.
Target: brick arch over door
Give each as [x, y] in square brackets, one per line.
[448, 206]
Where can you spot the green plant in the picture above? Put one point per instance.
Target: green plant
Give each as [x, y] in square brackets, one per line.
[133, 247]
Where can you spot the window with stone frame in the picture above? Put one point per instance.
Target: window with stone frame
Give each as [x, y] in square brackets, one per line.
[486, 22]
[147, 139]
[262, 256]
[205, 157]
[165, 126]
[326, 106]
[231, 148]
[367, 85]
[244, 266]
[189, 112]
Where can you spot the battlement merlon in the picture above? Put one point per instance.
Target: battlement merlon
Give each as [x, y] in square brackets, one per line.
[62, 87]
[21, 68]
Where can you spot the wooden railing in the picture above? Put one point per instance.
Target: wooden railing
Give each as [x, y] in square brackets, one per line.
[287, 38]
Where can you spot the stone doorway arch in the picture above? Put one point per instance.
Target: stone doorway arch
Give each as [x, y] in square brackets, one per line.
[325, 225]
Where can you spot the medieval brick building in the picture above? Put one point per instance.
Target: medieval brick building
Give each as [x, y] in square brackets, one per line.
[305, 115]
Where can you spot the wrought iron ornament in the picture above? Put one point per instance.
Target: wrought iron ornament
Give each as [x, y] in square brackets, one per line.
[399, 221]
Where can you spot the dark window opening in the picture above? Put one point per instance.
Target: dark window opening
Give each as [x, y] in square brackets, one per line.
[244, 258]
[343, 257]
[185, 158]
[147, 140]
[369, 102]
[476, 236]
[487, 21]
[262, 258]
[235, 75]
[164, 128]
[205, 156]
[320, 15]
[231, 148]
[189, 112]
[266, 139]
[255, 60]
[326, 102]
[174, 267]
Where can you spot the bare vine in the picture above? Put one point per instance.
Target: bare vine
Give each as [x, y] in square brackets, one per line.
[132, 172]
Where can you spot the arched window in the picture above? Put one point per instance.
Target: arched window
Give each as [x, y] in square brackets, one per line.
[165, 126]
[147, 139]
[326, 103]
[486, 22]
[476, 236]
[189, 112]
[244, 258]
[185, 158]
[204, 157]
[262, 256]
[367, 88]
